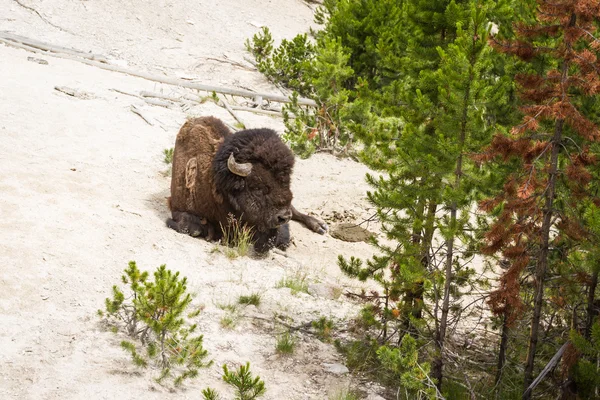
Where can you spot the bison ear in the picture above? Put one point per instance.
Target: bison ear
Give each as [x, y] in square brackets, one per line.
[238, 168]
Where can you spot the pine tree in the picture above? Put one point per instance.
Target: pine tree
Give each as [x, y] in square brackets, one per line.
[552, 152]
[424, 127]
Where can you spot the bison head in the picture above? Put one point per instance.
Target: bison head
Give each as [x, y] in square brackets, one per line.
[252, 170]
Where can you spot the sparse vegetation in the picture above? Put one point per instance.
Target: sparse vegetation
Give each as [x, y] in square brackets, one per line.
[229, 320]
[345, 394]
[297, 283]
[286, 343]
[168, 153]
[153, 313]
[324, 328]
[246, 386]
[252, 299]
[237, 237]
[227, 307]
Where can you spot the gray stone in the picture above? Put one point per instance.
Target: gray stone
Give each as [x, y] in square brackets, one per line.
[337, 369]
[324, 290]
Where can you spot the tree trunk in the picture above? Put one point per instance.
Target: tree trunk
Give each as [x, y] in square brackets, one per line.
[501, 355]
[542, 264]
[591, 306]
[440, 336]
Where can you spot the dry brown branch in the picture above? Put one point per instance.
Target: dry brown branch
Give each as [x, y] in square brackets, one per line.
[25, 43]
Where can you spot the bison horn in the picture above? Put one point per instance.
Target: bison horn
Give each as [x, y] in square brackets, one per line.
[237, 168]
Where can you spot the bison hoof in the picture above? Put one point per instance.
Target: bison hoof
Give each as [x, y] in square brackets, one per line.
[323, 228]
[316, 225]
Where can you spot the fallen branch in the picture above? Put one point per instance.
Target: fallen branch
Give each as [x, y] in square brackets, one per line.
[259, 111]
[139, 112]
[50, 48]
[153, 102]
[30, 45]
[74, 92]
[301, 328]
[551, 364]
[126, 93]
[160, 96]
[233, 113]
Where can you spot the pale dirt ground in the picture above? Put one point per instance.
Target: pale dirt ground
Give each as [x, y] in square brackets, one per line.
[82, 192]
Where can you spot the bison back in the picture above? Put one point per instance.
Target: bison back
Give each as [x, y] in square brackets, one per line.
[192, 188]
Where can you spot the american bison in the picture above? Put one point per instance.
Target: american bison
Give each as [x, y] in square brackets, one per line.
[218, 174]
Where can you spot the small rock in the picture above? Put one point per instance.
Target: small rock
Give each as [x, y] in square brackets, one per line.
[337, 369]
[324, 290]
[350, 233]
[374, 396]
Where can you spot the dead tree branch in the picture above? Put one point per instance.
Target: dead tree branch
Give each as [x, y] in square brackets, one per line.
[70, 54]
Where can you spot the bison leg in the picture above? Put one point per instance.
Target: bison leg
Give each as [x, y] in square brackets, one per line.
[282, 241]
[312, 223]
[190, 224]
[265, 241]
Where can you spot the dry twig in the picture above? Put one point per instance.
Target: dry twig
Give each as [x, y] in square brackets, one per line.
[139, 112]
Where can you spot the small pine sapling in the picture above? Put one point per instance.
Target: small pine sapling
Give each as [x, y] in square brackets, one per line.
[210, 394]
[118, 309]
[155, 316]
[324, 328]
[246, 386]
[168, 153]
[169, 341]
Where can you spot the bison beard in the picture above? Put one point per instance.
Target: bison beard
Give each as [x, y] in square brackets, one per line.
[247, 174]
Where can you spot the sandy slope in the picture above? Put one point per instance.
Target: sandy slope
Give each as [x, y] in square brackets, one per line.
[82, 193]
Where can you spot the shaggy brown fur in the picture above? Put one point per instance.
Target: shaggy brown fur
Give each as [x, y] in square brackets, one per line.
[204, 191]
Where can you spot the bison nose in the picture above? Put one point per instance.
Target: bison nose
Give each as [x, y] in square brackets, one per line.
[284, 216]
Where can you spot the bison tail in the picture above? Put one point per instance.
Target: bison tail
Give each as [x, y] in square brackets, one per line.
[169, 203]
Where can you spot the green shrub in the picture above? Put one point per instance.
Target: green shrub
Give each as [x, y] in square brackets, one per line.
[154, 318]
